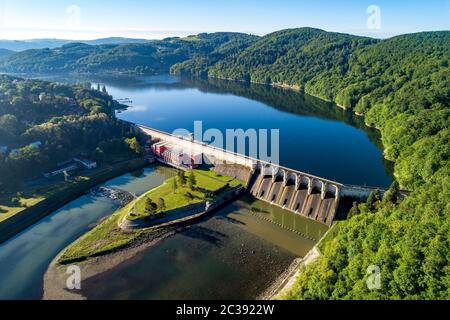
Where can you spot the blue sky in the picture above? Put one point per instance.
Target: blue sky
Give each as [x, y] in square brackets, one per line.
[151, 19]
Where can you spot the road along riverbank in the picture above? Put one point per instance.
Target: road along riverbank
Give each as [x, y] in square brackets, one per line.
[22, 220]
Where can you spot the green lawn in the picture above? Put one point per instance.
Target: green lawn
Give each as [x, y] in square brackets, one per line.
[207, 182]
[173, 200]
[232, 182]
[29, 197]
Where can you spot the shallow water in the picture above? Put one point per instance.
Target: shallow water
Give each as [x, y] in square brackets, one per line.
[234, 254]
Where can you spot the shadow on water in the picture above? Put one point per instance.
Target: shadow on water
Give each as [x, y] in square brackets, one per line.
[205, 234]
[231, 246]
[246, 244]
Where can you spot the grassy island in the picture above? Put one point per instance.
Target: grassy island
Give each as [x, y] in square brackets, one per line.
[191, 188]
[188, 188]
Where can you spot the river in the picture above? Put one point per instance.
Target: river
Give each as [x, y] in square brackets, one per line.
[24, 258]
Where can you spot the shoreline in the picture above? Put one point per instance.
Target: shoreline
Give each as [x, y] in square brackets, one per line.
[287, 280]
[281, 284]
[54, 282]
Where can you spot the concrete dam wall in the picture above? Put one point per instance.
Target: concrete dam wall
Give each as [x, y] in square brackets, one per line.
[235, 171]
[309, 198]
[301, 193]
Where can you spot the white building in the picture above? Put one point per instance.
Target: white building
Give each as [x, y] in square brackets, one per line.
[36, 144]
[61, 171]
[87, 164]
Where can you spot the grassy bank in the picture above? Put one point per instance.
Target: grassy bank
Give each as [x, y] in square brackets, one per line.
[41, 204]
[174, 194]
[107, 237]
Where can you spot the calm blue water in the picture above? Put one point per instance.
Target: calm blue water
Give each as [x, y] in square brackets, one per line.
[315, 137]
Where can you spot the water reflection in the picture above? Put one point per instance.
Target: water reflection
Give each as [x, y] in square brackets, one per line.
[316, 136]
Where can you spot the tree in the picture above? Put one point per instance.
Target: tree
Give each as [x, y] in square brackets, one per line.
[191, 180]
[373, 199]
[99, 154]
[354, 211]
[104, 89]
[391, 195]
[161, 204]
[150, 207]
[134, 145]
[182, 178]
[9, 127]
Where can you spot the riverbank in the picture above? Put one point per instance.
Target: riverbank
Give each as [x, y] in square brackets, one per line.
[286, 281]
[229, 246]
[55, 287]
[112, 234]
[90, 266]
[29, 216]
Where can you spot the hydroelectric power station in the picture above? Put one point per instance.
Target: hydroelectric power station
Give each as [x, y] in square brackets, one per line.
[301, 193]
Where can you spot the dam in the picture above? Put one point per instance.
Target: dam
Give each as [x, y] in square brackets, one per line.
[301, 193]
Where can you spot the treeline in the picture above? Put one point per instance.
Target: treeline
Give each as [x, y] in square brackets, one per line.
[399, 85]
[152, 57]
[64, 121]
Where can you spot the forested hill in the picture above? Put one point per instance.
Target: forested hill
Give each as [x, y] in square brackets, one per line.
[21, 45]
[66, 121]
[401, 86]
[5, 52]
[152, 57]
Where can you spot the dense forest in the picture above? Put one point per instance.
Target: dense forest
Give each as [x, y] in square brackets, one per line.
[65, 121]
[150, 57]
[400, 86]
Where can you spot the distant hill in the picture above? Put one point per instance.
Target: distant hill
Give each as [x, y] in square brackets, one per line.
[21, 45]
[150, 57]
[5, 52]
